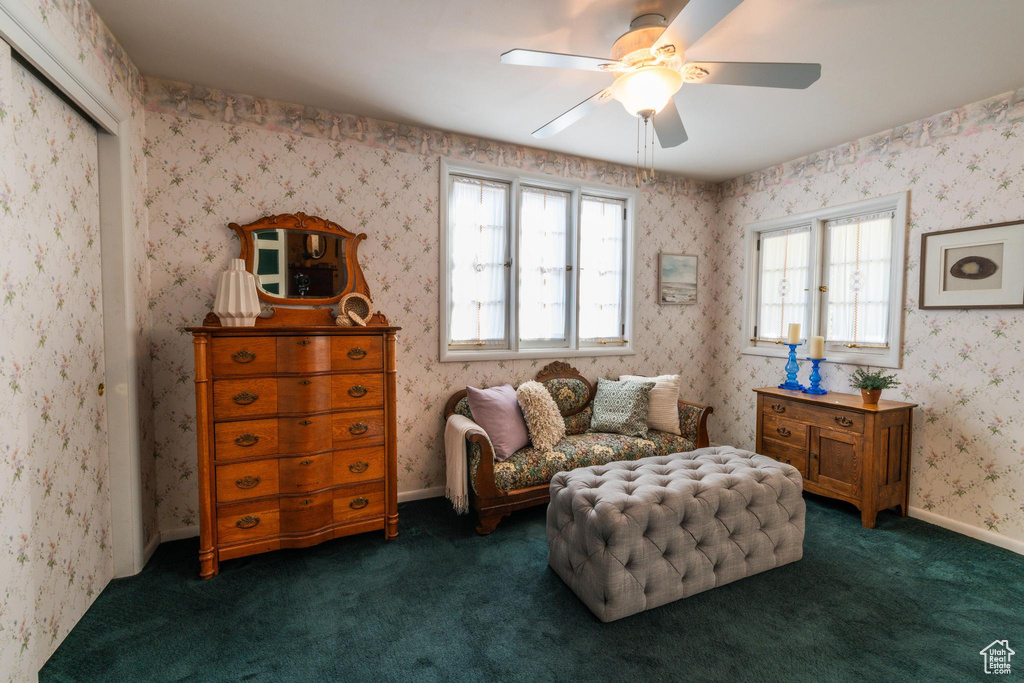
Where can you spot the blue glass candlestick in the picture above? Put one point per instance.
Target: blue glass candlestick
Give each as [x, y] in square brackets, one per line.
[815, 387]
[791, 369]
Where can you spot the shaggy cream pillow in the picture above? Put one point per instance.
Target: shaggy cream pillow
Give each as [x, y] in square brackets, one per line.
[543, 420]
[663, 414]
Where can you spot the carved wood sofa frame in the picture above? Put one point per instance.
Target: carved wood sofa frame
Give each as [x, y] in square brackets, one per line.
[491, 503]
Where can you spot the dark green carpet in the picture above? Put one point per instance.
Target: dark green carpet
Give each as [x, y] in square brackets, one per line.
[905, 601]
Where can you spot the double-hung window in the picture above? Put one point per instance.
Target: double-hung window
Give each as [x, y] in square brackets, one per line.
[533, 266]
[838, 272]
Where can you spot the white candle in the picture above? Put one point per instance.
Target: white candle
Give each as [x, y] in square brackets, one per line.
[817, 347]
[794, 333]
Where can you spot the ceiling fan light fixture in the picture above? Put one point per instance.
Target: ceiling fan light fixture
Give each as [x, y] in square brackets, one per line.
[647, 89]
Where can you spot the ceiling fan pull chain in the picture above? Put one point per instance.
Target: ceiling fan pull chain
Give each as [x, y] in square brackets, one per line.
[637, 169]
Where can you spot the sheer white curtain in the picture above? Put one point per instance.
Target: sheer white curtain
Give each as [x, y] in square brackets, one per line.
[478, 248]
[784, 277]
[602, 254]
[859, 252]
[543, 253]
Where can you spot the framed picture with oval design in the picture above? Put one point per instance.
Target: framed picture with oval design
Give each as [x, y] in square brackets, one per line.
[978, 267]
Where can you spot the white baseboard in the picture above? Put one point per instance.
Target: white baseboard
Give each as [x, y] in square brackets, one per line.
[420, 494]
[177, 534]
[968, 530]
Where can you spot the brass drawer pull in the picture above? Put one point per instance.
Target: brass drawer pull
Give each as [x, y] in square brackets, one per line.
[245, 398]
[357, 353]
[243, 356]
[247, 522]
[305, 423]
[305, 342]
[358, 467]
[358, 391]
[778, 408]
[305, 382]
[307, 462]
[358, 428]
[783, 431]
[246, 440]
[306, 502]
[358, 503]
[247, 482]
[844, 421]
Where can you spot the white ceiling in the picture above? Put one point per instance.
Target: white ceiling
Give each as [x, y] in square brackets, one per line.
[434, 63]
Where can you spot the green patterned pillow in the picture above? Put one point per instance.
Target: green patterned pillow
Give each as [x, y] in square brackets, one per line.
[621, 407]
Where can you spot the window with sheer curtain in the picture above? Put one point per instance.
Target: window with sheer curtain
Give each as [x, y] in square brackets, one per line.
[836, 271]
[533, 268]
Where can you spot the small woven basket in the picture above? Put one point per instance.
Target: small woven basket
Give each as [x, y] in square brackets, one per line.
[353, 309]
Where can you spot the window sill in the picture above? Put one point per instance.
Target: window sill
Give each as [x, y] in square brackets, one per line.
[448, 356]
[887, 358]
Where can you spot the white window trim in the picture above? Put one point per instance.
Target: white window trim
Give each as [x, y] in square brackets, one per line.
[514, 177]
[885, 358]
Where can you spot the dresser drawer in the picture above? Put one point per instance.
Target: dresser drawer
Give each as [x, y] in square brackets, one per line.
[786, 431]
[244, 356]
[304, 354]
[304, 394]
[234, 398]
[362, 390]
[358, 428]
[306, 513]
[357, 353]
[244, 439]
[358, 464]
[816, 415]
[304, 434]
[306, 473]
[797, 457]
[245, 480]
[248, 521]
[358, 502]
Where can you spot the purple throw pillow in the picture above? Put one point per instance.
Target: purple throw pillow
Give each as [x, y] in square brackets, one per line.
[497, 411]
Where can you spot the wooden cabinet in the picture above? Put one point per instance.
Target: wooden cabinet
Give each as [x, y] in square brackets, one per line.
[843, 448]
[296, 432]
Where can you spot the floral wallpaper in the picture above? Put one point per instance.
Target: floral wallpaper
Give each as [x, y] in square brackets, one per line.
[963, 167]
[54, 499]
[216, 157]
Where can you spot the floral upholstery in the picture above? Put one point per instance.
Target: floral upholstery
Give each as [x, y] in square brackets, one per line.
[529, 466]
[569, 394]
[580, 422]
[689, 421]
[462, 408]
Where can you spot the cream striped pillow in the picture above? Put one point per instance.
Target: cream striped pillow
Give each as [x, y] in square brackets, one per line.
[663, 413]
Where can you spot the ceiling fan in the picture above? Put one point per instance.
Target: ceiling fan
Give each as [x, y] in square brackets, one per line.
[649, 65]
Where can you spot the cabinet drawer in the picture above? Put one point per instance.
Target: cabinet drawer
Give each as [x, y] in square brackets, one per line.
[358, 464]
[248, 521]
[306, 513]
[244, 480]
[797, 457]
[304, 394]
[306, 473]
[244, 356]
[363, 390]
[358, 428]
[786, 431]
[357, 353]
[244, 397]
[358, 502]
[245, 438]
[815, 415]
[304, 434]
[303, 354]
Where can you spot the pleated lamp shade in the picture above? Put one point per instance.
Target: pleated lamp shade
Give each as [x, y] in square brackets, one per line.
[237, 304]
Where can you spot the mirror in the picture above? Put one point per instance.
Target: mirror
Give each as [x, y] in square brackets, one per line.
[300, 259]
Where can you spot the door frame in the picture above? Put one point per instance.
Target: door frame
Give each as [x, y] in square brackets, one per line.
[27, 35]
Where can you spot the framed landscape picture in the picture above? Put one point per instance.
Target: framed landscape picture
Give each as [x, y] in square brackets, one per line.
[979, 267]
[677, 279]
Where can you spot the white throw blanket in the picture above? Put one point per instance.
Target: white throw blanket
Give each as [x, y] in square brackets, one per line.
[456, 489]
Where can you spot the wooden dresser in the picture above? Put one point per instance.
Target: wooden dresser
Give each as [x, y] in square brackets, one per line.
[843, 448]
[296, 434]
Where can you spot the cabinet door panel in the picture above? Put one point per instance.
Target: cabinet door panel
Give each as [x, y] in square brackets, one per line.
[836, 460]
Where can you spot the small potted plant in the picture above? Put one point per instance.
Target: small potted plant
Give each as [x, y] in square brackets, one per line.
[872, 383]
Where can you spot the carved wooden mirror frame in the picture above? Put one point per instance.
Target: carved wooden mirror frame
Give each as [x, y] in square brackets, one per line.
[300, 221]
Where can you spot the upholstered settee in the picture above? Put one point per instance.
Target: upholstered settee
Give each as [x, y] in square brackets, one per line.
[499, 488]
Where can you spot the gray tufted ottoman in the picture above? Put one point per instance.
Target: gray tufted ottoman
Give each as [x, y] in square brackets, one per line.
[630, 536]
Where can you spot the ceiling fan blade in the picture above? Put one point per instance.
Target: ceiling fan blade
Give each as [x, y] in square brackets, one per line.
[693, 21]
[763, 74]
[557, 60]
[669, 126]
[572, 116]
